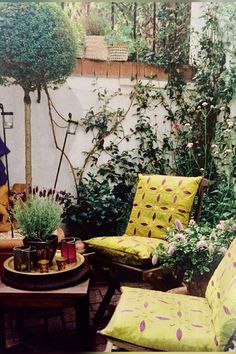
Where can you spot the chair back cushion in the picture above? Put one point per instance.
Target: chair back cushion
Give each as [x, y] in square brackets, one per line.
[221, 296]
[159, 201]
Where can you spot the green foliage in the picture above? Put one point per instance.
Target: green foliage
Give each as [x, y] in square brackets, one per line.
[202, 128]
[119, 37]
[97, 208]
[38, 217]
[196, 250]
[93, 24]
[37, 45]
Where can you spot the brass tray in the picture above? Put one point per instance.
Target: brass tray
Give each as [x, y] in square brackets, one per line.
[54, 279]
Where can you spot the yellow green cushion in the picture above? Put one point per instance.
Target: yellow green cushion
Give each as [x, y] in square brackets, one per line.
[221, 295]
[162, 321]
[159, 201]
[132, 250]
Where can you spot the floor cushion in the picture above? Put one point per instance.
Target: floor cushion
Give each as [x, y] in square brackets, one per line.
[161, 321]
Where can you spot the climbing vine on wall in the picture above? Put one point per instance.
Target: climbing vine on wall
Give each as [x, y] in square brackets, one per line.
[200, 141]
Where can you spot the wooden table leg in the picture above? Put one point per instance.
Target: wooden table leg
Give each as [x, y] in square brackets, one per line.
[2, 332]
[82, 321]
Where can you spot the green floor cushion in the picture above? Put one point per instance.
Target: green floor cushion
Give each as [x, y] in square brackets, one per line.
[221, 295]
[132, 250]
[159, 201]
[161, 321]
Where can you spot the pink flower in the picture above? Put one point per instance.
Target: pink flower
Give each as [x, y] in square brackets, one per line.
[233, 227]
[221, 225]
[179, 225]
[189, 145]
[154, 259]
[171, 249]
[202, 244]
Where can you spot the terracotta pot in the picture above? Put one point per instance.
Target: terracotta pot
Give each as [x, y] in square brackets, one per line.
[44, 249]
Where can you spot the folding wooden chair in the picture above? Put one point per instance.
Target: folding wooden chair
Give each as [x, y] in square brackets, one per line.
[158, 202]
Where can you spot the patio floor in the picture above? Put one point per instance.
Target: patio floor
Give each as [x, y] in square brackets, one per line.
[54, 331]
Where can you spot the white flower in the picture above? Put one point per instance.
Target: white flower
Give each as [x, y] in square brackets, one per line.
[201, 244]
[223, 250]
[211, 248]
[204, 104]
[230, 123]
[187, 125]
[214, 146]
[192, 222]
[189, 145]
[180, 237]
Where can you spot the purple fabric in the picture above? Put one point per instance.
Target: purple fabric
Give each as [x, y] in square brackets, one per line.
[3, 151]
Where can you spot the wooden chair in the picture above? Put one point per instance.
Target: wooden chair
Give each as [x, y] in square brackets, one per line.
[150, 320]
[112, 255]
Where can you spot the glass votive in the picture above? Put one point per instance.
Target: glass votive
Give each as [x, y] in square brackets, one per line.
[43, 265]
[68, 249]
[23, 257]
[61, 262]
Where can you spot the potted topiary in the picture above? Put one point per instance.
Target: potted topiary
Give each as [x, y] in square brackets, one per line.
[38, 218]
[118, 42]
[95, 46]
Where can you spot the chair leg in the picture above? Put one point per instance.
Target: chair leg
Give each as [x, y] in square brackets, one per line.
[105, 302]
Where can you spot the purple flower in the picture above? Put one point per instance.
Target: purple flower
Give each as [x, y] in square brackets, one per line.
[179, 225]
[171, 249]
[154, 259]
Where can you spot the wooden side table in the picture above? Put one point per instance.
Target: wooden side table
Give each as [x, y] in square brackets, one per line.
[76, 296]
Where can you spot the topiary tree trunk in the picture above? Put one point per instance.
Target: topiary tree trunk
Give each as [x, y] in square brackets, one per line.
[28, 152]
[38, 48]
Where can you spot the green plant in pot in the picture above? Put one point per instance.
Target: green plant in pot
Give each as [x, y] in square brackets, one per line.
[38, 218]
[94, 26]
[118, 42]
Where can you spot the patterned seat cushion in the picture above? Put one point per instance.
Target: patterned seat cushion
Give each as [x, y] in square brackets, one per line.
[158, 201]
[132, 250]
[221, 295]
[161, 321]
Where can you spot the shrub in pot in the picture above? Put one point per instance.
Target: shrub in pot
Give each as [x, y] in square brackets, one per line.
[95, 46]
[38, 218]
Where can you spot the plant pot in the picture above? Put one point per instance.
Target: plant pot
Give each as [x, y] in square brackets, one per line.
[95, 48]
[44, 249]
[197, 286]
[118, 52]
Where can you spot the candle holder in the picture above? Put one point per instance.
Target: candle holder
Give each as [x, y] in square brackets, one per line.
[68, 249]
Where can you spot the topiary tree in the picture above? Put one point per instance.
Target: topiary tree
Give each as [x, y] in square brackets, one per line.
[37, 49]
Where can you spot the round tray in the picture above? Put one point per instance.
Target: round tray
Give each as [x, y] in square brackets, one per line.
[74, 273]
